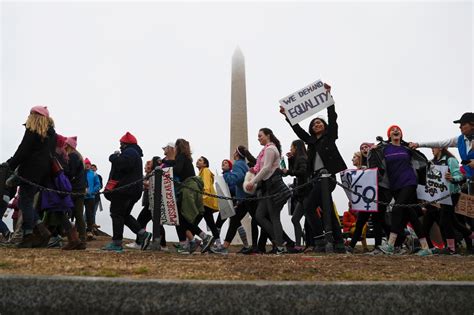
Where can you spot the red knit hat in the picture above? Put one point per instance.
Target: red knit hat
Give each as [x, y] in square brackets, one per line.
[391, 127]
[230, 163]
[87, 161]
[128, 138]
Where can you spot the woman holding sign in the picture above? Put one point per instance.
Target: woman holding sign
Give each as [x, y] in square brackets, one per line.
[323, 157]
[447, 219]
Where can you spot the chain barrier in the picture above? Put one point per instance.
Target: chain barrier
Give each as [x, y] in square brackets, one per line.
[181, 185]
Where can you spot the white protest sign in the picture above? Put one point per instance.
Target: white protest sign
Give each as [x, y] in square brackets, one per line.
[363, 182]
[169, 207]
[226, 207]
[306, 102]
[436, 185]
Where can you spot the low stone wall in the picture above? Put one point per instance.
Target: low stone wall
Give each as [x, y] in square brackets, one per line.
[83, 295]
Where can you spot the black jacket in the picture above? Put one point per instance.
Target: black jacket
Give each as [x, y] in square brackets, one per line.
[376, 158]
[325, 145]
[75, 171]
[182, 167]
[33, 156]
[127, 168]
[298, 167]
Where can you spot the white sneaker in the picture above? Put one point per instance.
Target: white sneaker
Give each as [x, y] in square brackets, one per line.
[133, 245]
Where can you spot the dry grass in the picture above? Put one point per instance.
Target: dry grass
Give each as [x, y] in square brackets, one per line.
[160, 265]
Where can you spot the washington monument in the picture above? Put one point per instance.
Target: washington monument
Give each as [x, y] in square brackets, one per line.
[238, 107]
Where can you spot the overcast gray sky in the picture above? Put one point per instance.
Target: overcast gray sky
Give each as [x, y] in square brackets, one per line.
[162, 71]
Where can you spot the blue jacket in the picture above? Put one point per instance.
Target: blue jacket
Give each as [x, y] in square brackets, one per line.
[92, 184]
[235, 178]
[465, 156]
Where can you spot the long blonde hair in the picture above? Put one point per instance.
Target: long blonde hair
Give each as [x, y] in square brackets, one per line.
[39, 124]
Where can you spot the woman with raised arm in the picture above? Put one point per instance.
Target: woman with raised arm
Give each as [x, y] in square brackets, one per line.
[323, 156]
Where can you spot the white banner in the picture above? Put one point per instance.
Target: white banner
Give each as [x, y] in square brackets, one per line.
[306, 102]
[226, 207]
[436, 185]
[364, 182]
[169, 207]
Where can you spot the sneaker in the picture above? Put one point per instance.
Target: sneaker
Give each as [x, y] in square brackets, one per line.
[133, 245]
[206, 243]
[112, 247]
[154, 246]
[183, 249]
[55, 241]
[424, 252]
[339, 248]
[145, 239]
[219, 250]
[401, 251]
[245, 251]
[281, 251]
[294, 249]
[194, 245]
[443, 251]
[387, 249]
[165, 249]
[349, 250]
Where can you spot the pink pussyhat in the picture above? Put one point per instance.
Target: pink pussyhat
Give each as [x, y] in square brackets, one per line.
[40, 109]
[72, 141]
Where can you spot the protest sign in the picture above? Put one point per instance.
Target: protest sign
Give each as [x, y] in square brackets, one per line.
[306, 102]
[169, 207]
[226, 207]
[436, 185]
[465, 205]
[363, 182]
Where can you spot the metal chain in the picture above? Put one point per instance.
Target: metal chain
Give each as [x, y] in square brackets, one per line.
[408, 205]
[181, 185]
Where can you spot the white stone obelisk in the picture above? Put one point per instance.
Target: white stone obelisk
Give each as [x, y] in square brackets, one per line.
[238, 120]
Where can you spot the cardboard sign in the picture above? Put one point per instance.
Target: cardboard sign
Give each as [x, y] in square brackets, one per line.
[169, 207]
[465, 205]
[306, 102]
[226, 207]
[363, 182]
[436, 185]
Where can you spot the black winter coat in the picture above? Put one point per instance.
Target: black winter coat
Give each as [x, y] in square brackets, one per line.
[325, 145]
[127, 167]
[33, 156]
[298, 167]
[75, 171]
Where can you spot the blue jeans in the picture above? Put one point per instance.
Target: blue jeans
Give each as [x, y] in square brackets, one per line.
[25, 203]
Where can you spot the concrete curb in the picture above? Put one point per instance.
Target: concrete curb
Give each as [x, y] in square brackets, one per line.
[84, 295]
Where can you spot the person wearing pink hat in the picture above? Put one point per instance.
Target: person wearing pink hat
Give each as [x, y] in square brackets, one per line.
[32, 160]
[75, 171]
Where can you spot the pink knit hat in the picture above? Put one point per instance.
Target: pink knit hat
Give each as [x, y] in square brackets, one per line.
[72, 141]
[87, 161]
[39, 109]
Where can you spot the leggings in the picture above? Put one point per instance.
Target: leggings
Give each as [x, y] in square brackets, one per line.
[295, 219]
[144, 218]
[268, 216]
[314, 200]
[405, 195]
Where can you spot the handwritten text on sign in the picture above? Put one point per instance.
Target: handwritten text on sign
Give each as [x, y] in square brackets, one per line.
[306, 102]
[436, 185]
[364, 183]
[169, 207]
